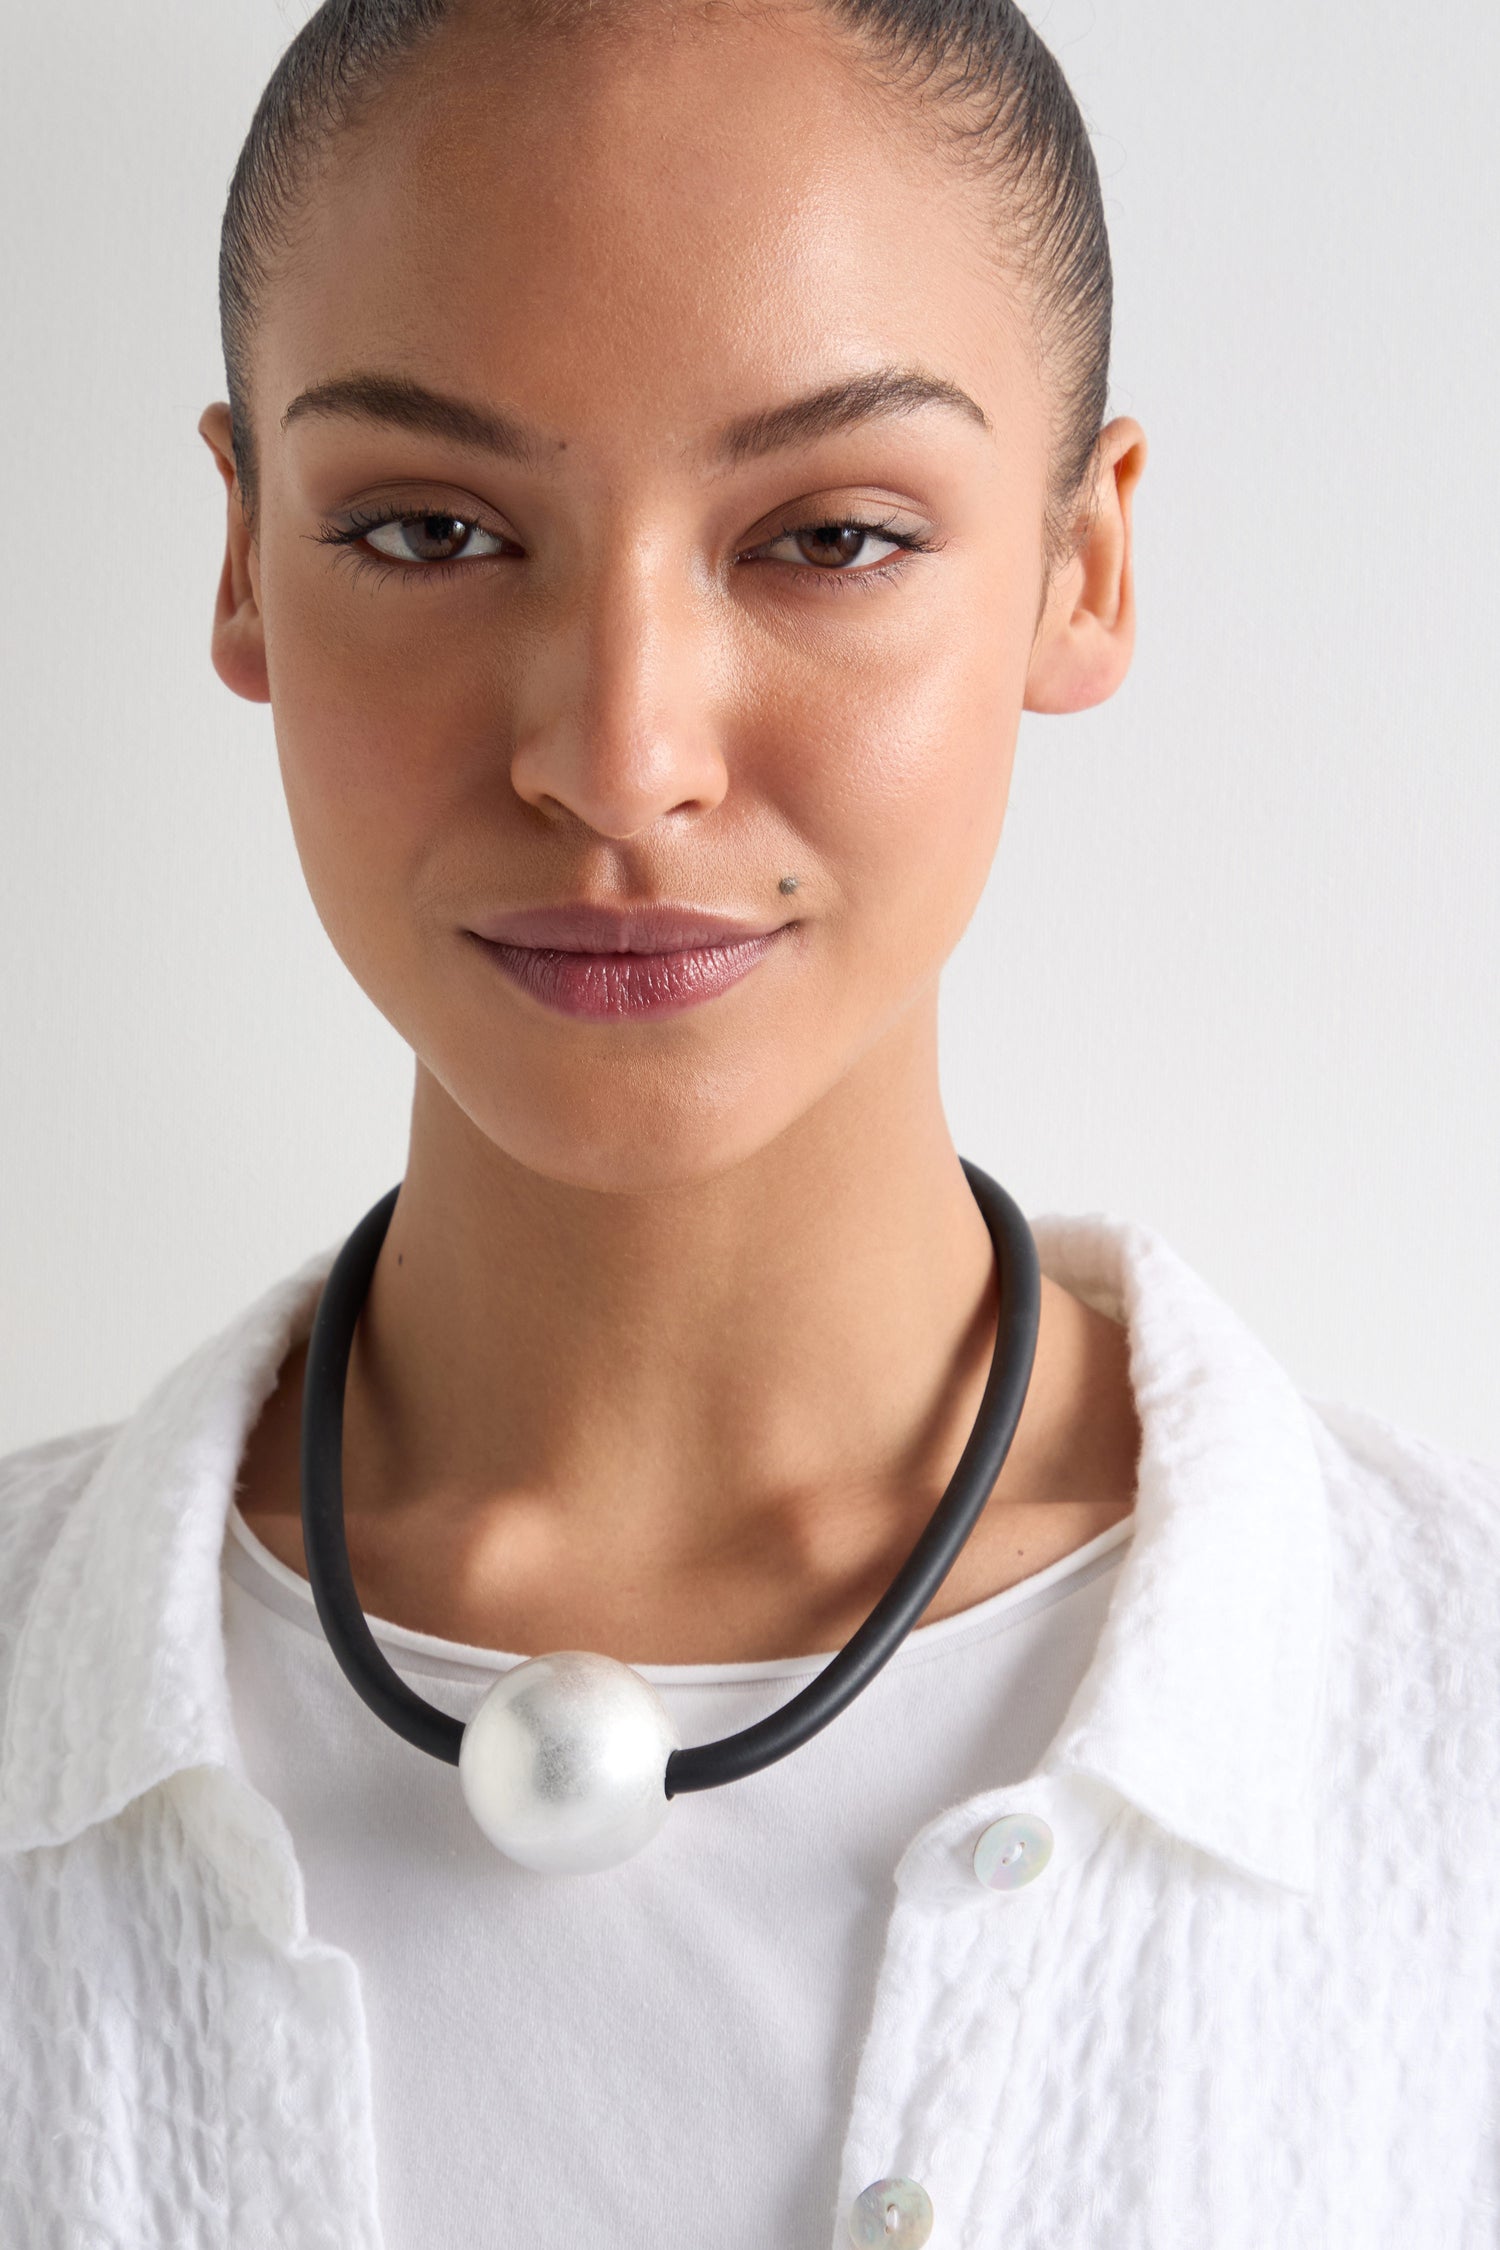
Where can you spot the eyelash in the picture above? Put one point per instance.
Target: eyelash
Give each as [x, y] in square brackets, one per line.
[346, 537]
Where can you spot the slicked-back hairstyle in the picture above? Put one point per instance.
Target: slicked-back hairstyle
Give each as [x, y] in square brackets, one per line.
[976, 65]
[343, 58]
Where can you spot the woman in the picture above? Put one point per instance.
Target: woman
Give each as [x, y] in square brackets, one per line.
[665, 453]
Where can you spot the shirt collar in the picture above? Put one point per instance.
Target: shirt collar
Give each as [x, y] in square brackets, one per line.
[1199, 1704]
[1202, 1701]
[119, 1677]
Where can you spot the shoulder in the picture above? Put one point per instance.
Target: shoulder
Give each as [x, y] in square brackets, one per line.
[1404, 1494]
[111, 1545]
[39, 1485]
[1415, 1591]
[50, 1462]
[37, 1488]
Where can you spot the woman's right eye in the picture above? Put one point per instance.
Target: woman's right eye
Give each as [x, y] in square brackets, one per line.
[430, 539]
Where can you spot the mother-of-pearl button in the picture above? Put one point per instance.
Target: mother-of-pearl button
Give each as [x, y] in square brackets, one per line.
[1012, 1850]
[895, 2213]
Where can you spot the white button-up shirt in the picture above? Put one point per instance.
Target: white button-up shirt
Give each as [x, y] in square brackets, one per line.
[1249, 1999]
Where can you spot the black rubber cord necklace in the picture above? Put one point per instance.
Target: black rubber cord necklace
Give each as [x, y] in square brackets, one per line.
[570, 1761]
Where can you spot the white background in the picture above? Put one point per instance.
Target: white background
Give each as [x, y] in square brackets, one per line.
[1235, 972]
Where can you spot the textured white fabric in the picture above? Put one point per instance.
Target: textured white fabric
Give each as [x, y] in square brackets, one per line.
[1252, 1999]
[680, 2030]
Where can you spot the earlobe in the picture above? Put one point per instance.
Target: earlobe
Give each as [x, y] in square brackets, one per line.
[1086, 637]
[237, 646]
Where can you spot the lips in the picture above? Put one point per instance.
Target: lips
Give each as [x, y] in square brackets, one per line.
[581, 927]
[595, 960]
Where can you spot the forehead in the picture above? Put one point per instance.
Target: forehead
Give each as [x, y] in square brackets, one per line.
[651, 223]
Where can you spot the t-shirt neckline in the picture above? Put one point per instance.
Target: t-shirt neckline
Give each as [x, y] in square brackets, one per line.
[279, 1587]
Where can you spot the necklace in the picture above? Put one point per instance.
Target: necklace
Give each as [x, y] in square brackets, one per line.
[570, 1761]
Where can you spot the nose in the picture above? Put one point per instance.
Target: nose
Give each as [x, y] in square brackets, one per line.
[616, 723]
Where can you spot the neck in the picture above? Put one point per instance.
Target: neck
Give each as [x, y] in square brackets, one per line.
[703, 1419]
[687, 1356]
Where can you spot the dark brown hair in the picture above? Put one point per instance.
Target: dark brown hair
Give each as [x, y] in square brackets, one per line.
[977, 63]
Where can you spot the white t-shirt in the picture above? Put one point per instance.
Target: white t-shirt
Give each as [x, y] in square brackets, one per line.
[665, 2050]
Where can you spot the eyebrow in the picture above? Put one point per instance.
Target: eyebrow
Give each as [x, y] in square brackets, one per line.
[840, 406]
[401, 402]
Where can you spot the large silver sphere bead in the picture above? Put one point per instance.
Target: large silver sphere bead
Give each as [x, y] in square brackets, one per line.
[564, 1763]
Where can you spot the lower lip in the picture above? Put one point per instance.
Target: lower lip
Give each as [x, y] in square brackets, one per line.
[628, 984]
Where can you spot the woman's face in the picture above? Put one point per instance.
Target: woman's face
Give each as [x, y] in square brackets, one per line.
[662, 662]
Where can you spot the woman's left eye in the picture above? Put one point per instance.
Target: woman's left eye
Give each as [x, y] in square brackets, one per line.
[435, 538]
[833, 547]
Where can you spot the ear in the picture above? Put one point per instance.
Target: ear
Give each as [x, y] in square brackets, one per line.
[1086, 633]
[238, 645]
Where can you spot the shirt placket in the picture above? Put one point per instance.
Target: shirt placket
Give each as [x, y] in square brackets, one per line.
[300, 2157]
[975, 1887]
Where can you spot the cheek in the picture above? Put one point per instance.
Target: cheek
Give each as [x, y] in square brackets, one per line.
[371, 728]
[895, 769]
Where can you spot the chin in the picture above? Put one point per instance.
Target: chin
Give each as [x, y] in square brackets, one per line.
[631, 1140]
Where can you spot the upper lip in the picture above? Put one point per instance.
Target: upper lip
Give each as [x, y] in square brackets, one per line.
[579, 926]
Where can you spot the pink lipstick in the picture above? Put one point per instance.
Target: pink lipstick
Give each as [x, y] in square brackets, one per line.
[590, 960]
